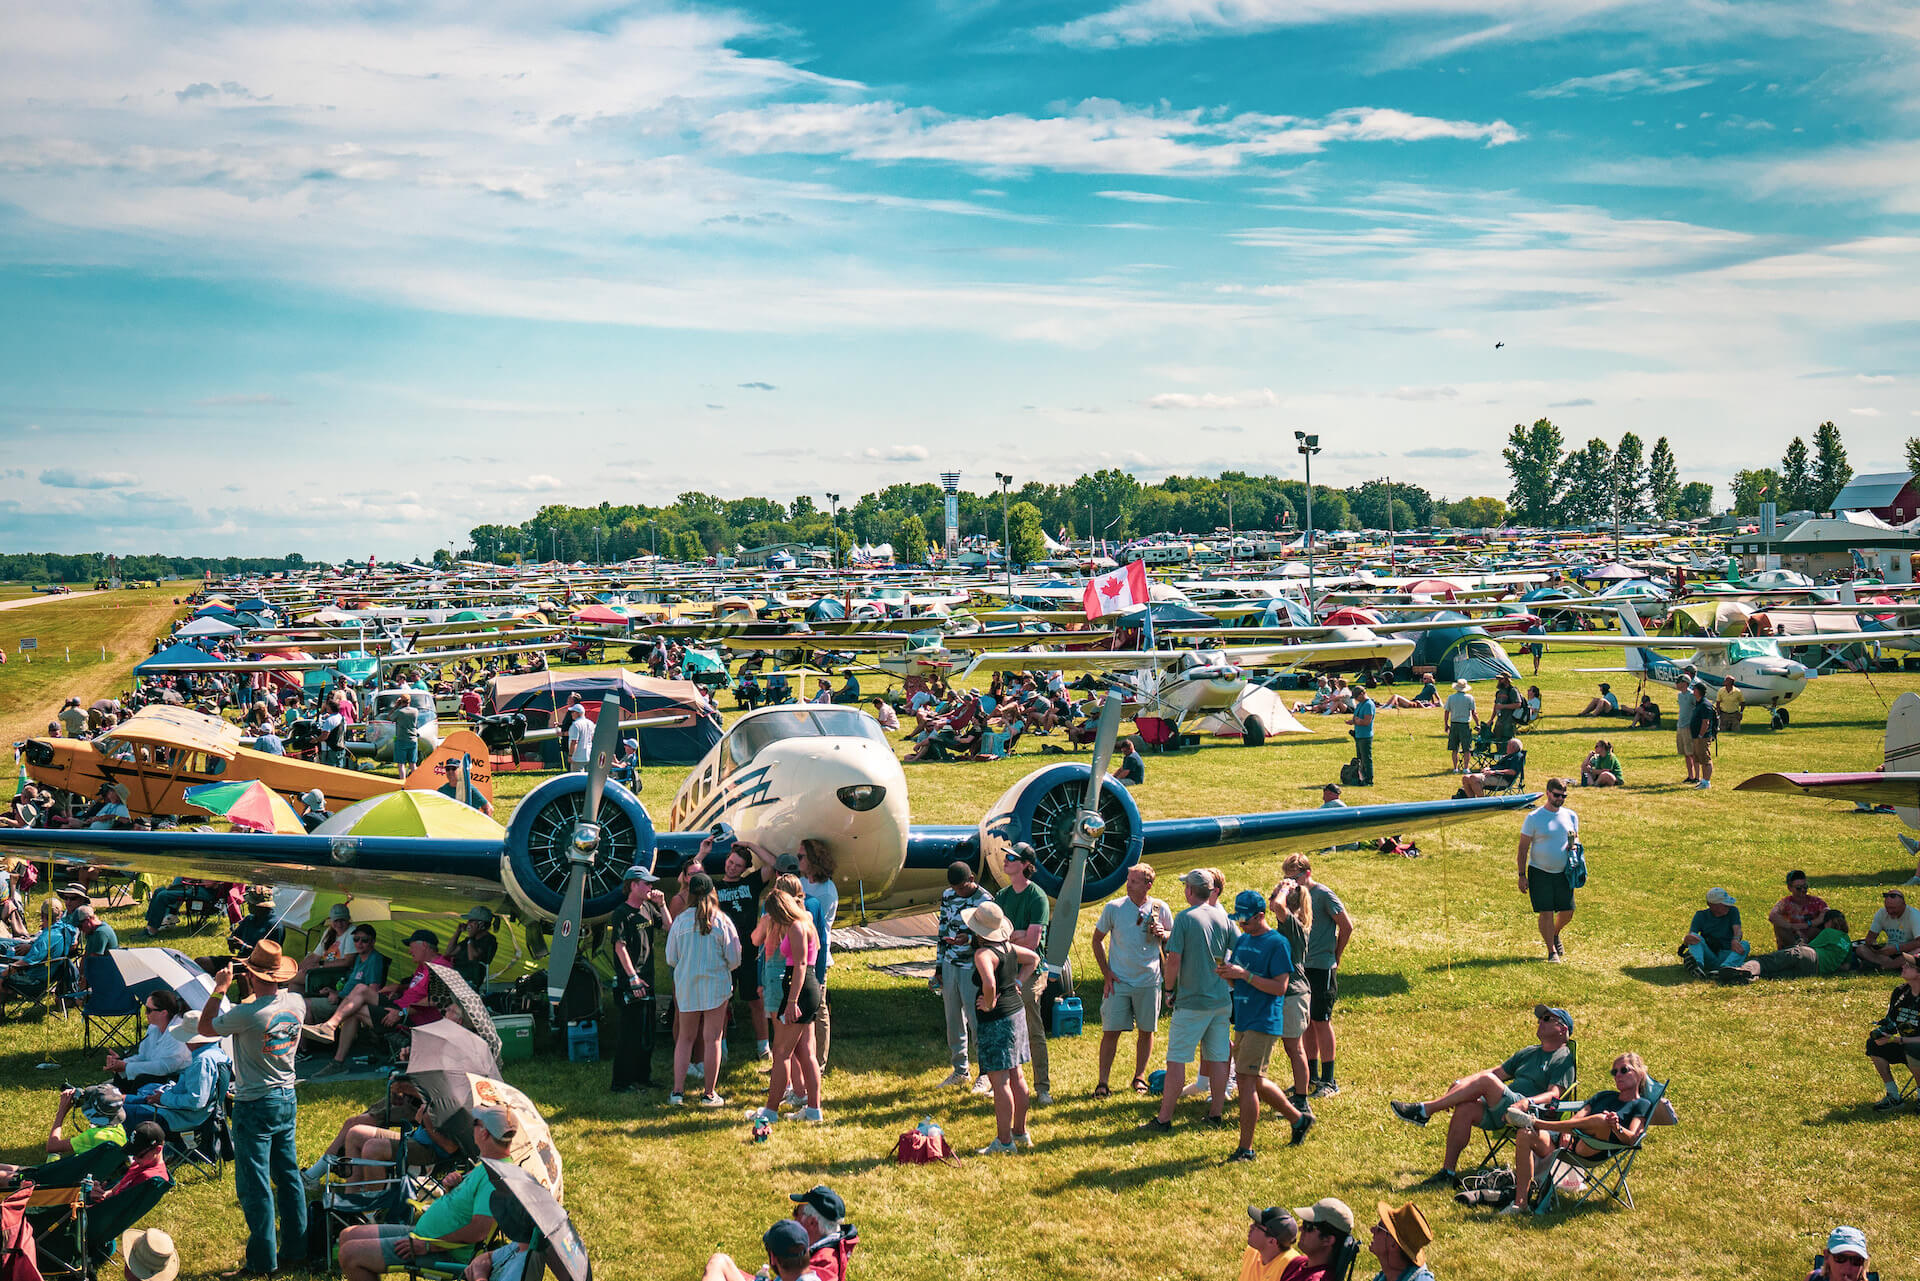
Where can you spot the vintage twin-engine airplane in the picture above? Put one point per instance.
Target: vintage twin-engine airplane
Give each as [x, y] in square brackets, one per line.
[1764, 675]
[780, 775]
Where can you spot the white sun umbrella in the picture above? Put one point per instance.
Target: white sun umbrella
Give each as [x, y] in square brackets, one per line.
[142, 971]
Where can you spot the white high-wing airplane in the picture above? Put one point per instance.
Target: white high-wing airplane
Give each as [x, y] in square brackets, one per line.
[780, 775]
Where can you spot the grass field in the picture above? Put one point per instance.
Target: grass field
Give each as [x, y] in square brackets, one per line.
[72, 635]
[1777, 1142]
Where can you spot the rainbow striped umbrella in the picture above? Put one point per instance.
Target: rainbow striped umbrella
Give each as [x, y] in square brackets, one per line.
[251, 805]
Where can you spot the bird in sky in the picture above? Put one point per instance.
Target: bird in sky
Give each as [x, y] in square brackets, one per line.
[1497, 346]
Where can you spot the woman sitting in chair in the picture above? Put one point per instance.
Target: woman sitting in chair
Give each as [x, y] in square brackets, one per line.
[161, 1055]
[1617, 1116]
[32, 973]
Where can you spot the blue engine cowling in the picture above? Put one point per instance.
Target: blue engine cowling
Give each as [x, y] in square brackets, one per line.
[534, 865]
[1040, 810]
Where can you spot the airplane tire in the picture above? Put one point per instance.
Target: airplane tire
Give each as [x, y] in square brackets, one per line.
[1255, 734]
[1781, 718]
[1386, 676]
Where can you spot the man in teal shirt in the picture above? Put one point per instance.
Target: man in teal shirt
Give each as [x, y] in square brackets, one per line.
[1202, 1000]
[1027, 911]
[460, 1220]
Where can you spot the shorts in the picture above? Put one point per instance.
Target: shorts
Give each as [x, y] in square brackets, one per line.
[1293, 1012]
[809, 994]
[391, 1235]
[1495, 1118]
[1324, 986]
[1003, 1043]
[746, 976]
[1253, 1053]
[1204, 1031]
[1702, 747]
[407, 755]
[1549, 891]
[1894, 1054]
[1683, 741]
[1459, 735]
[1131, 1007]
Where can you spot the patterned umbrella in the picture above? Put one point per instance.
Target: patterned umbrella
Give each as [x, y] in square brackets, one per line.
[456, 1095]
[446, 988]
[251, 805]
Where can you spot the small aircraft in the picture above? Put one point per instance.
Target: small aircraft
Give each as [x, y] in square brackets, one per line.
[161, 751]
[780, 775]
[1764, 675]
[1895, 783]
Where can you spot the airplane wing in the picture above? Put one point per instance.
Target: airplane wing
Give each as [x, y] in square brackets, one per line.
[1108, 660]
[1342, 651]
[1871, 786]
[978, 641]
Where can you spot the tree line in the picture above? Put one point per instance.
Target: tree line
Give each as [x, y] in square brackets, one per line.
[92, 567]
[1554, 486]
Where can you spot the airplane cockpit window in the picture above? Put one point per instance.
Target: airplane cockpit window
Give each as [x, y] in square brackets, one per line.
[1741, 650]
[115, 748]
[800, 722]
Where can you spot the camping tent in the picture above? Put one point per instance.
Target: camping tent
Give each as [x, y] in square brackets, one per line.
[540, 695]
[207, 627]
[173, 654]
[1457, 653]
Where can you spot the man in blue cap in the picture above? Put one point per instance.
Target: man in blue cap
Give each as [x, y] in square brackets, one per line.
[1533, 1078]
[630, 930]
[1845, 1258]
[786, 1246]
[1260, 965]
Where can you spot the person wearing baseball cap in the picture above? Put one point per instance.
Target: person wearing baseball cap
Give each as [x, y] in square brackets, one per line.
[452, 1226]
[1845, 1258]
[1325, 1228]
[1895, 922]
[1400, 1240]
[955, 958]
[631, 940]
[1535, 1076]
[787, 1250]
[830, 1238]
[1713, 938]
[1202, 1001]
[1259, 965]
[1027, 909]
[1895, 1039]
[389, 1006]
[1271, 1248]
[474, 946]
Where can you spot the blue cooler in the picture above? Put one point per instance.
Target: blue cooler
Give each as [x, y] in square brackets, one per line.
[583, 1041]
[1066, 1017]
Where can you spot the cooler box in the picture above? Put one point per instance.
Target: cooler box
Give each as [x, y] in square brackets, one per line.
[583, 1041]
[516, 1037]
[1066, 1017]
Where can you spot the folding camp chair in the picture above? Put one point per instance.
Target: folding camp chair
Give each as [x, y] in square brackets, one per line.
[1501, 1137]
[75, 1238]
[1496, 784]
[111, 1020]
[63, 981]
[205, 1149]
[1341, 1268]
[1602, 1175]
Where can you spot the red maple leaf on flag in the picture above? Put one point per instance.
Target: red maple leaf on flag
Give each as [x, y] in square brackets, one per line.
[1112, 587]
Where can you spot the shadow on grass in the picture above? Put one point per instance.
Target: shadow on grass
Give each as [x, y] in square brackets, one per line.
[1471, 963]
[1674, 975]
[1856, 1113]
[1123, 1177]
[1373, 984]
[1859, 880]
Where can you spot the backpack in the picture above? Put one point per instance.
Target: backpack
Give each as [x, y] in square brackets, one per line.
[917, 1148]
[28, 875]
[1350, 773]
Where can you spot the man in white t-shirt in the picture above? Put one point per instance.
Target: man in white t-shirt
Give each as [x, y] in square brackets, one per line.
[1126, 946]
[1546, 840]
[1901, 926]
[1460, 713]
[580, 741]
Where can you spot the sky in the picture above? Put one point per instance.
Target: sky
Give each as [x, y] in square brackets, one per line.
[350, 278]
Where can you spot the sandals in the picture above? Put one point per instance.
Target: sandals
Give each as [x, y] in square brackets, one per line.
[1101, 1090]
[1139, 1085]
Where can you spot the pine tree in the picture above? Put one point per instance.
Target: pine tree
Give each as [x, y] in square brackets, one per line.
[1533, 461]
[1796, 478]
[1663, 480]
[1830, 470]
[1630, 477]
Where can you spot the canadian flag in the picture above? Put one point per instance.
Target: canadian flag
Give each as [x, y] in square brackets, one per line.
[1117, 590]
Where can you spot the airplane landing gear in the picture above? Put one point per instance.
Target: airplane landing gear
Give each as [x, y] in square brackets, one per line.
[1780, 718]
[1253, 734]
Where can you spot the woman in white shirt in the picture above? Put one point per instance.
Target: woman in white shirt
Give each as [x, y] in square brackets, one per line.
[703, 949]
[161, 1056]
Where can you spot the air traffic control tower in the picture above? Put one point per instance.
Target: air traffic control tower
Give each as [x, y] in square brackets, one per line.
[950, 481]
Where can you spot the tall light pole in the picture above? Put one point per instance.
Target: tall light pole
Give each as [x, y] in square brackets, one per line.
[1308, 446]
[1229, 529]
[1006, 532]
[833, 518]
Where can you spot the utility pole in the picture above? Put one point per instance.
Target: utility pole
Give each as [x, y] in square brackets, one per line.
[833, 518]
[1229, 529]
[1006, 532]
[1393, 561]
[1308, 446]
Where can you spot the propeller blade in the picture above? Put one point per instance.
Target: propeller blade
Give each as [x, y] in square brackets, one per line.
[606, 741]
[566, 935]
[1066, 908]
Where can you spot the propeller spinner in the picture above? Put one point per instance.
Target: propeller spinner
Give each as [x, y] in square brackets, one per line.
[583, 850]
[1088, 827]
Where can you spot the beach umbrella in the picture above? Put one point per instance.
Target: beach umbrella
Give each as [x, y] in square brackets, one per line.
[605, 614]
[448, 988]
[454, 1096]
[1611, 573]
[142, 971]
[248, 804]
[558, 1245]
[445, 1046]
[411, 812]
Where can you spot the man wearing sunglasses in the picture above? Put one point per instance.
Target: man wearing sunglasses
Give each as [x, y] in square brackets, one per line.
[1546, 845]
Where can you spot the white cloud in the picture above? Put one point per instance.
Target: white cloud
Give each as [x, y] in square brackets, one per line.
[1260, 399]
[74, 478]
[537, 483]
[1096, 136]
[898, 454]
[1865, 413]
[1146, 197]
[1150, 21]
[1629, 80]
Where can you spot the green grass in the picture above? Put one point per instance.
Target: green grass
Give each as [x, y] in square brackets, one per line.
[1777, 1141]
[72, 636]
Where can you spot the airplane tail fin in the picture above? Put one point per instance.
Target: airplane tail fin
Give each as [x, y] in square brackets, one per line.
[1903, 745]
[440, 772]
[1630, 626]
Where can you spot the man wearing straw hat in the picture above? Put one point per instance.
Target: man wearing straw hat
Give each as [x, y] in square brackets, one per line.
[266, 1169]
[1400, 1241]
[148, 1254]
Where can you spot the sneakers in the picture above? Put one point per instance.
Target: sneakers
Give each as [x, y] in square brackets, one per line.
[1300, 1128]
[1325, 1089]
[320, 1032]
[1438, 1178]
[676, 1099]
[794, 1099]
[812, 1116]
[1043, 1098]
[983, 1085]
[1887, 1103]
[332, 1067]
[1411, 1112]
[1023, 1140]
[711, 1100]
[997, 1148]
[1155, 1123]
[957, 1077]
[1242, 1154]
[1512, 1211]
[764, 1114]
[695, 1072]
[1214, 1122]
[1519, 1118]
[1703, 785]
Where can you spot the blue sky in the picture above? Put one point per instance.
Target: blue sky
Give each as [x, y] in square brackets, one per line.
[351, 278]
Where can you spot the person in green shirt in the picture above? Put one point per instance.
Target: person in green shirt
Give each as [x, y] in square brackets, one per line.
[1602, 767]
[1025, 905]
[1826, 953]
[454, 1225]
